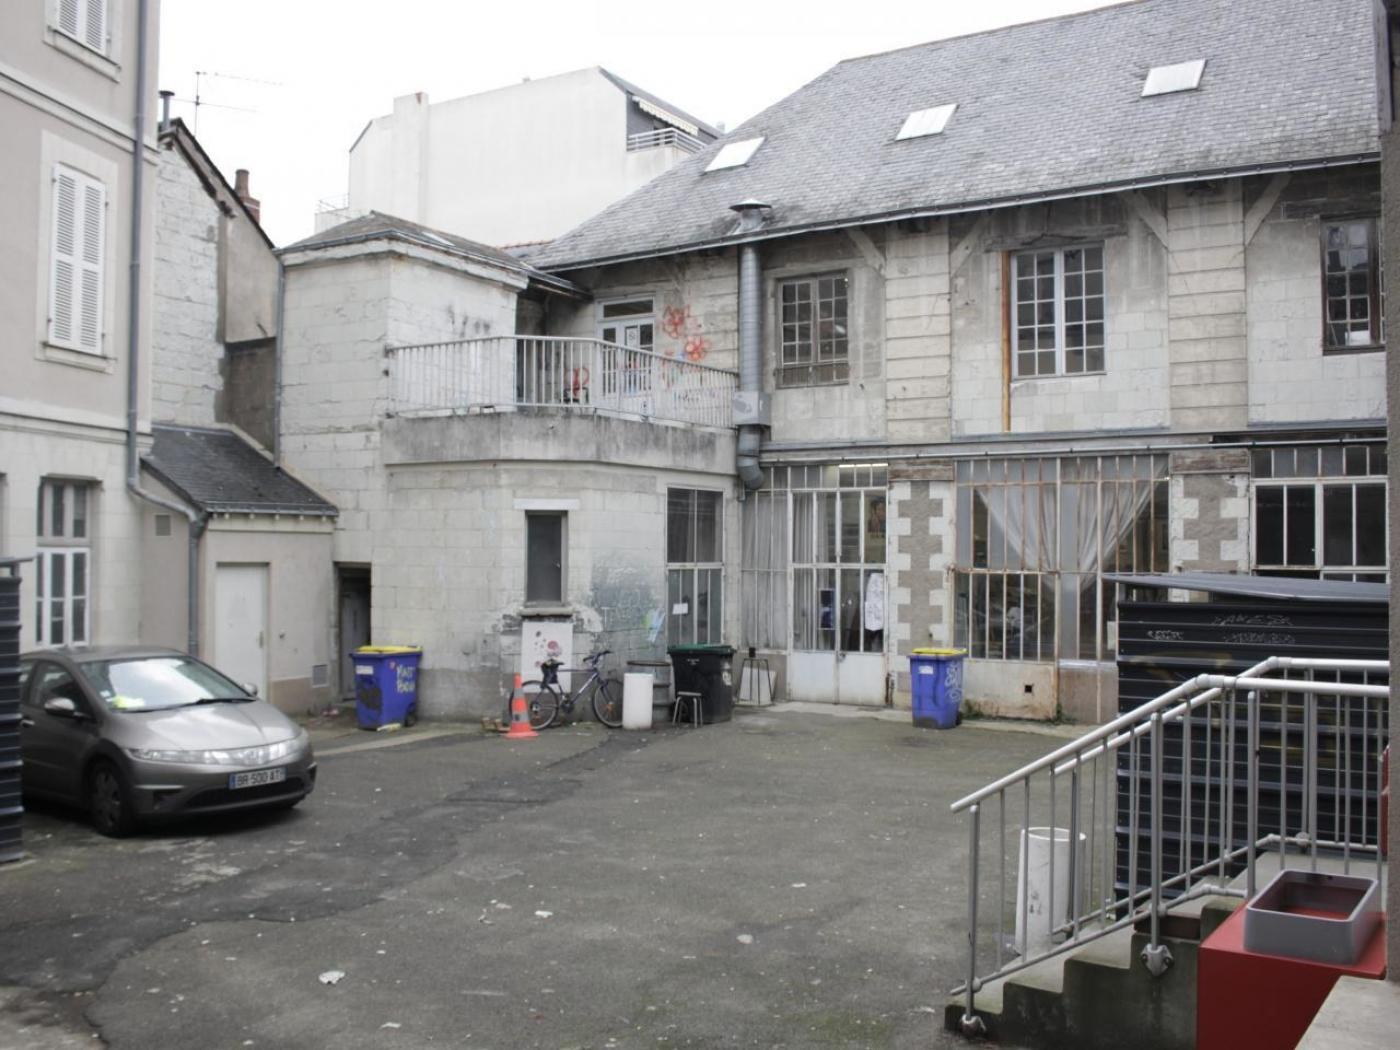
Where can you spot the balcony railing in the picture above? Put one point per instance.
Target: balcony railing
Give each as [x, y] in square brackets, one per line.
[586, 375]
[684, 142]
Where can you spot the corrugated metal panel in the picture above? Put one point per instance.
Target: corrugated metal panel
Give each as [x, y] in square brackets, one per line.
[1162, 643]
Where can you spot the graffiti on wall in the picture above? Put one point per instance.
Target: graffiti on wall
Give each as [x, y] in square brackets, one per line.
[680, 324]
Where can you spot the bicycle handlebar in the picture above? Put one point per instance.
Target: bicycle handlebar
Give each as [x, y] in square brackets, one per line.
[592, 661]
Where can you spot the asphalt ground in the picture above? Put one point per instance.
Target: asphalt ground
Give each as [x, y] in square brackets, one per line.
[787, 879]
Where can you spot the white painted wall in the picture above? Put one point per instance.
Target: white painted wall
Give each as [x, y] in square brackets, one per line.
[521, 163]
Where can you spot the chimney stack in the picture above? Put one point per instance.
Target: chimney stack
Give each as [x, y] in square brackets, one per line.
[240, 187]
[165, 97]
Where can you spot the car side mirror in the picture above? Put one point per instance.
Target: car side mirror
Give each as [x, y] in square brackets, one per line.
[63, 707]
[249, 688]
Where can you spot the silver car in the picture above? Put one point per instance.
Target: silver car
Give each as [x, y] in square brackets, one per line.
[145, 734]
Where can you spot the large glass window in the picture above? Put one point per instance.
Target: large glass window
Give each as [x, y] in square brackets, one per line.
[825, 524]
[1320, 512]
[1351, 275]
[694, 566]
[63, 560]
[813, 335]
[628, 322]
[1034, 539]
[1057, 311]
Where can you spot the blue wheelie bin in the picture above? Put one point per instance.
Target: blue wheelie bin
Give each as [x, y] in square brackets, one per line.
[936, 677]
[386, 685]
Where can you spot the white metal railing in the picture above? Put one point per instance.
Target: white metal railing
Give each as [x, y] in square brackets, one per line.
[683, 141]
[1327, 717]
[326, 204]
[509, 371]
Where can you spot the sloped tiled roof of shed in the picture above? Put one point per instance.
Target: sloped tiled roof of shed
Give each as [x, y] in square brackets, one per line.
[219, 471]
[1046, 108]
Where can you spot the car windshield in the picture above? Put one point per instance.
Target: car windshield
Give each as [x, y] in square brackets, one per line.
[152, 683]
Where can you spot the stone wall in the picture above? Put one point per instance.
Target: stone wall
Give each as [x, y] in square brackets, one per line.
[185, 348]
[1210, 511]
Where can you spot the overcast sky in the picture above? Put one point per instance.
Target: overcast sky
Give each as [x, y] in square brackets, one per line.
[298, 79]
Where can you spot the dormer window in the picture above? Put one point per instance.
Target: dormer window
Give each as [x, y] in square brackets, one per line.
[1166, 80]
[926, 122]
[734, 154]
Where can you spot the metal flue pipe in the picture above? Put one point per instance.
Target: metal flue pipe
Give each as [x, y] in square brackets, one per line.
[751, 215]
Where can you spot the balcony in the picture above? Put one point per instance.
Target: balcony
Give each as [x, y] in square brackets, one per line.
[584, 376]
[658, 137]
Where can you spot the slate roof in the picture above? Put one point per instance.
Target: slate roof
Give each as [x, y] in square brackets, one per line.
[219, 471]
[1044, 109]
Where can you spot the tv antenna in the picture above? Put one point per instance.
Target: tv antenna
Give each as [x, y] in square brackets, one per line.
[198, 94]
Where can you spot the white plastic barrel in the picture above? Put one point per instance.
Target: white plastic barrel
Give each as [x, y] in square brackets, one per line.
[636, 700]
[1035, 921]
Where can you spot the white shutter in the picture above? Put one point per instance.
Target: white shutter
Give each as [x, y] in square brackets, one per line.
[95, 31]
[75, 296]
[68, 16]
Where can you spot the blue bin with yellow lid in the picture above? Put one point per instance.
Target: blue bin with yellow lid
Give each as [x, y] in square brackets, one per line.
[386, 685]
[936, 686]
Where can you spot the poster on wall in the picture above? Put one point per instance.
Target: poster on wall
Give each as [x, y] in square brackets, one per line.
[542, 640]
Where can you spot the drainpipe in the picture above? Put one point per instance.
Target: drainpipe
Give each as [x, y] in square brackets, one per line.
[278, 343]
[196, 519]
[751, 217]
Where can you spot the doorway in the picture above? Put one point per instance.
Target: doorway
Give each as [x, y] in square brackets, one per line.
[353, 612]
[240, 623]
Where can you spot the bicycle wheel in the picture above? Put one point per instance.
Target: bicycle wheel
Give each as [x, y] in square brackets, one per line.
[542, 705]
[607, 702]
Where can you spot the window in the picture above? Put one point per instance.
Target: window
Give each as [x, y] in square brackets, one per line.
[734, 154]
[1058, 311]
[628, 322]
[694, 566]
[812, 330]
[544, 556]
[63, 563]
[85, 21]
[77, 246]
[1167, 80]
[1351, 275]
[1033, 540]
[926, 122]
[1317, 515]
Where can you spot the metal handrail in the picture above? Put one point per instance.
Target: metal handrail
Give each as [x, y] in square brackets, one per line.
[682, 140]
[1198, 867]
[492, 373]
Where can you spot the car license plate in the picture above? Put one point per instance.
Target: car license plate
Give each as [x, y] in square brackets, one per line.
[256, 778]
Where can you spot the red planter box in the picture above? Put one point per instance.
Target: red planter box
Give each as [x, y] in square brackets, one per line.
[1249, 1001]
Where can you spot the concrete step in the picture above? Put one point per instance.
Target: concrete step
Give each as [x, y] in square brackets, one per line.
[1101, 995]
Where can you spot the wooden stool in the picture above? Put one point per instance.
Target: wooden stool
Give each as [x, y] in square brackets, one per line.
[688, 708]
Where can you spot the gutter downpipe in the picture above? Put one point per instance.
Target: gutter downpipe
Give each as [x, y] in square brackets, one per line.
[197, 520]
[751, 215]
[277, 346]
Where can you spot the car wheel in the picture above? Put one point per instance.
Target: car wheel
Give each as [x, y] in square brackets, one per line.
[109, 801]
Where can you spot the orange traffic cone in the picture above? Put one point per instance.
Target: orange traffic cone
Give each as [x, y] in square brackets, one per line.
[519, 716]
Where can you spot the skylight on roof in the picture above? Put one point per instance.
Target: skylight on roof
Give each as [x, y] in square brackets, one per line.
[735, 154]
[926, 122]
[1163, 80]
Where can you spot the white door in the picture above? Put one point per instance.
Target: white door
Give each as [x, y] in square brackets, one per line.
[240, 624]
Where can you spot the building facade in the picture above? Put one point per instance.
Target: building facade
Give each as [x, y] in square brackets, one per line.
[569, 145]
[68, 115]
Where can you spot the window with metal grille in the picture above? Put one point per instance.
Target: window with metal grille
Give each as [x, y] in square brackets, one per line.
[63, 563]
[1320, 512]
[694, 566]
[1057, 311]
[1353, 318]
[1034, 538]
[813, 333]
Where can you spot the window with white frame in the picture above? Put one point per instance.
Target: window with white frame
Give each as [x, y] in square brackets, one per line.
[1320, 512]
[628, 322]
[1351, 275]
[63, 570]
[545, 533]
[1057, 311]
[76, 251]
[85, 21]
[694, 566]
[813, 333]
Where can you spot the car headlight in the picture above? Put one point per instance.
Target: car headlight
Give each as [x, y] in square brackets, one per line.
[258, 755]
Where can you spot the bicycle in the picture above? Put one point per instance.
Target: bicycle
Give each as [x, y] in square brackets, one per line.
[547, 700]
